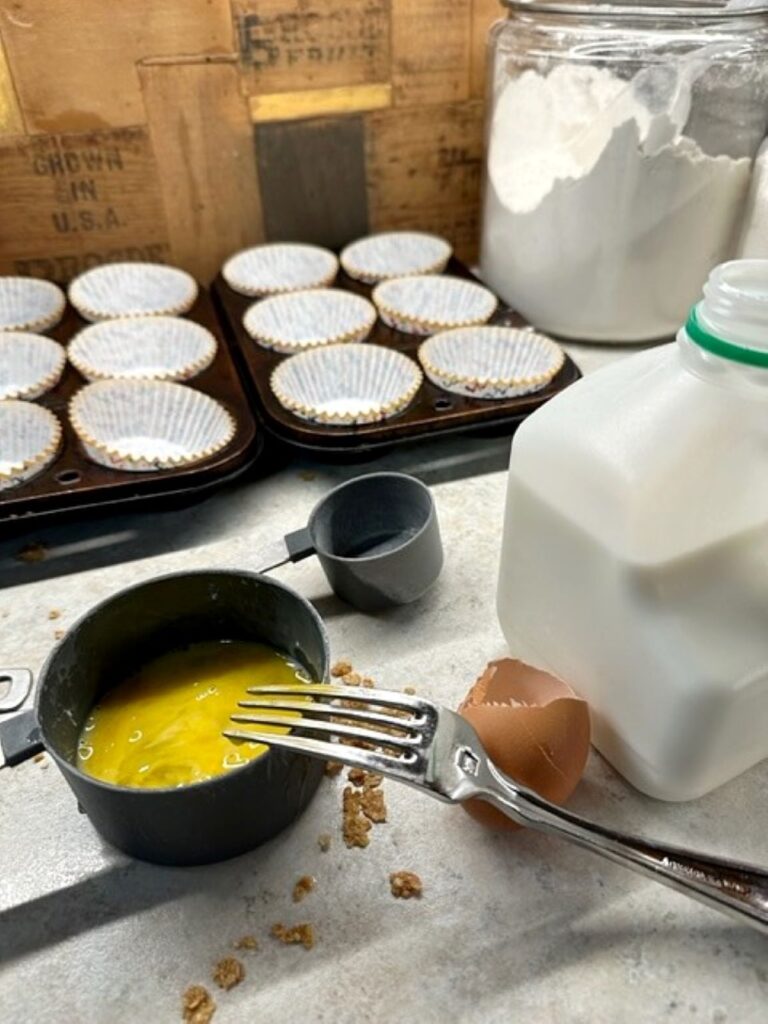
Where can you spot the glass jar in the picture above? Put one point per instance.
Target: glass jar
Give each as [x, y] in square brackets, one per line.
[620, 154]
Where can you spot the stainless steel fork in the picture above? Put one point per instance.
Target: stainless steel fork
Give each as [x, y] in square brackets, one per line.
[413, 740]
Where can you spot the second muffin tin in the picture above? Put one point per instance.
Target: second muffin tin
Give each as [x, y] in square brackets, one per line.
[432, 413]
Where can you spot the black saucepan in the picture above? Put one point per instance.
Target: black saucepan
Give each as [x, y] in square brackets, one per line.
[195, 824]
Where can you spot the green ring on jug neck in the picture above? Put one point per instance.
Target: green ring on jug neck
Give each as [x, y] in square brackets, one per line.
[721, 347]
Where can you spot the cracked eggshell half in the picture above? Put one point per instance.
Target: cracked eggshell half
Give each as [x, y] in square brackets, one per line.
[533, 727]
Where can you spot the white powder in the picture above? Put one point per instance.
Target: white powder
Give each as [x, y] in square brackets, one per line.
[753, 243]
[587, 230]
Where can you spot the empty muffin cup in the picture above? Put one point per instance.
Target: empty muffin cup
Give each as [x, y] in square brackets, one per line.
[30, 364]
[30, 437]
[431, 303]
[344, 385]
[395, 254]
[279, 267]
[132, 289]
[308, 319]
[27, 304]
[491, 362]
[143, 348]
[138, 426]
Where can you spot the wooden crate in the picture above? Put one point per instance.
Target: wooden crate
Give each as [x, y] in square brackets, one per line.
[182, 130]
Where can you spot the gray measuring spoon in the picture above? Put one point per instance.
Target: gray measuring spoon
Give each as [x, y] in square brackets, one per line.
[377, 539]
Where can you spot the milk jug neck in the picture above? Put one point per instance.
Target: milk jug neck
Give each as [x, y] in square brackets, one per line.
[726, 336]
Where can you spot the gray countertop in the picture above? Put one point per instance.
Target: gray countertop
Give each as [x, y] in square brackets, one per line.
[509, 927]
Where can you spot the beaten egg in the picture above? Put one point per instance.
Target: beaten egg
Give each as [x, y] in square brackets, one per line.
[162, 727]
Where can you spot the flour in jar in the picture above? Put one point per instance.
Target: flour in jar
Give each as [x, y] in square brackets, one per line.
[589, 231]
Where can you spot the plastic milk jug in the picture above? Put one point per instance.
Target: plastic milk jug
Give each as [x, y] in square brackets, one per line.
[635, 553]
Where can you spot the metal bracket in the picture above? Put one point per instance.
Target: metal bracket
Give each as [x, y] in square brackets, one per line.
[15, 684]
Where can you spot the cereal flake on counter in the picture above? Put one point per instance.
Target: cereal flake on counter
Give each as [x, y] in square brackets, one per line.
[363, 779]
[372, 805]
[303, 887]
[409, 690]
[297, 935]
[54, 613]
[341, 668]
[324, 842]
[405, 885]
[246, 942]
[228, 972]
[59, 634]
[333, 768]
[198, 1006]
[355, 826]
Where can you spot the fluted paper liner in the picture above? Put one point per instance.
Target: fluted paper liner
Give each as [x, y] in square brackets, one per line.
[533, 727]
[30, 364]
[145, 425]
[27, 304]
[308, 319]
[395, 254]
[30, 437]
[490, 362]
[342, 385]
[132, 289]
[279, 267]
[431, 303]
[142, 348]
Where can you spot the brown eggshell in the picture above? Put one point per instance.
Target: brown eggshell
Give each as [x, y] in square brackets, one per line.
[533, 727]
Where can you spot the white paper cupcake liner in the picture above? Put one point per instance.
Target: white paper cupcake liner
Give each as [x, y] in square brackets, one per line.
[30, 437]
[142, 348]
[308, 319]
[145, 425]
[431, 303]
[279, 267]
[395, 254]
[491, 362]
[342, 385]
[27, 304]
[30, 364]
[132, 289]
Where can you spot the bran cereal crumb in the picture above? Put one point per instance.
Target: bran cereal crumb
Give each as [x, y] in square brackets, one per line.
[228, 972]
[198, 1005]
[324, 842]
[333, 768]
[38, 758]
[409, 690]
[54, 613]
[299, 935]
[373, 806]
[370, 683]
[405, 885]
[341, 668]
[59, 634]
[35, 552]
[352, 679]
[303, 887]
[366, 780]
[355, 826]
[246, 942]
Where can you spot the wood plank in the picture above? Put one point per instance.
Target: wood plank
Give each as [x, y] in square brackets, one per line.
[11, 120]
[346, 99]
[297, 45]
[430, 51]
[73, 64]
[203, 141]
[73, 201]
[313, 180]
[425, 171]
[485, 13]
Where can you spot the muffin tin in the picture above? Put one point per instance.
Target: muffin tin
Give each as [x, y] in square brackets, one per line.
[433, 412]
[72, 483]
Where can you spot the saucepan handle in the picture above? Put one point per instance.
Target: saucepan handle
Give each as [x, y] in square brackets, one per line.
[20, 739]
[291, 548]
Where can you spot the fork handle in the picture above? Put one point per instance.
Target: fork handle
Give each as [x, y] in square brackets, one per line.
[740, 890]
